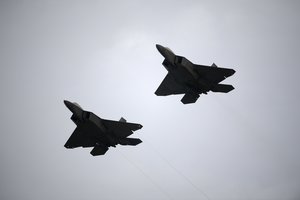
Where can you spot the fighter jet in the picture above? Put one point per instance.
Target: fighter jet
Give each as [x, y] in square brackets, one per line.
[190, 79]
[92, 131]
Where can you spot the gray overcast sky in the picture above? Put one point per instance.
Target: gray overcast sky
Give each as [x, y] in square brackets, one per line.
[243, 145]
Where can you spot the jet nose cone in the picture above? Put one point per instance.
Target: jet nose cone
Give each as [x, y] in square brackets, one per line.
[69, 105]
[160, 48]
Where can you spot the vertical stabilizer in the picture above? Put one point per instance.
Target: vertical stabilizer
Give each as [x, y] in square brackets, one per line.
[122, 120]
[214, 65]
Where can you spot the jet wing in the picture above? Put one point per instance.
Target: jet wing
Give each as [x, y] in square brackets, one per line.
[214, 74]
[169, 86]
[78, 139]
[121, 129]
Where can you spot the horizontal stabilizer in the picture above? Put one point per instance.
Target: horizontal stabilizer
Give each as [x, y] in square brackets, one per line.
[130, 141]
[222, 88]
[99, 150]
[190, 98]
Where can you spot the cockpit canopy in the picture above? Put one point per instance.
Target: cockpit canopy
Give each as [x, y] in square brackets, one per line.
[169, 49]
[77, 104]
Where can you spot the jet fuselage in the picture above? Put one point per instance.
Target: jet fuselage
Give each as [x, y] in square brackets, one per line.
[92, 126]
[182, 71]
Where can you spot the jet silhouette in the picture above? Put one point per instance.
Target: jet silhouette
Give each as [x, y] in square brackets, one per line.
[92, 131]
[190, 79]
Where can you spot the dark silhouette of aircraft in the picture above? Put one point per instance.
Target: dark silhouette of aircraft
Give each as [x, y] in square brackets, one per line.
[92, 131]
[189, 79]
